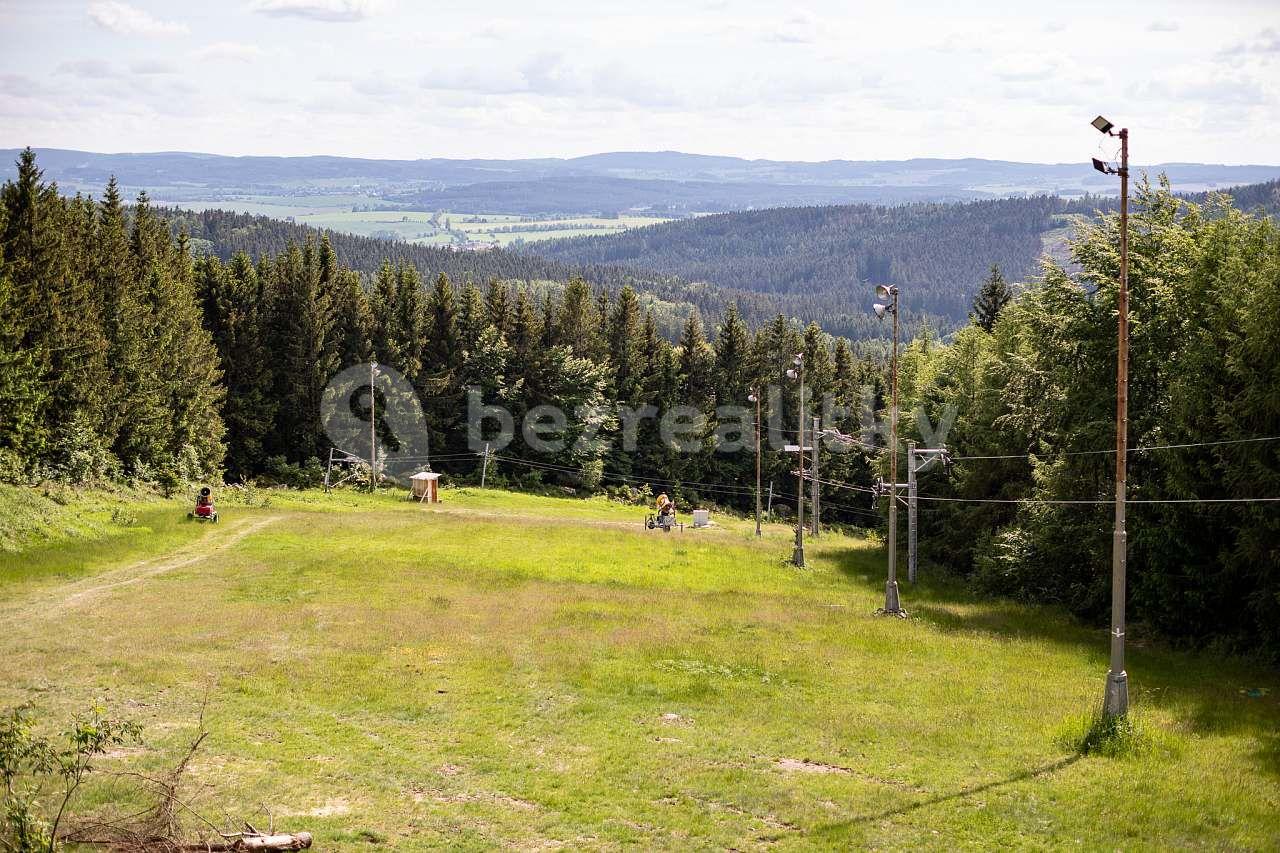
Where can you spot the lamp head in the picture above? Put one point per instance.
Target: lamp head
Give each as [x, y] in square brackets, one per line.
[799, 359]
[791, 373]
[753, 398]
[1102, 125]
[880, 310]
[1099, 165]
[884, 291]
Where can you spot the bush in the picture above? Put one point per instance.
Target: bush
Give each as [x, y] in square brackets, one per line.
[41, 775]
[280, 472]
[12, 468]
[79, 454]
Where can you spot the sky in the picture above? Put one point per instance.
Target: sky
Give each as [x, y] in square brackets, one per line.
[1195, 81]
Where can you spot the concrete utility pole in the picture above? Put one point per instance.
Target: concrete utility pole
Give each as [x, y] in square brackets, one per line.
[911, 511]
[373, 427]
[1115, 701]
[892, 604]
[485, 470]
[797, 373]
[915, 466]
[755, 398]
[815, 506]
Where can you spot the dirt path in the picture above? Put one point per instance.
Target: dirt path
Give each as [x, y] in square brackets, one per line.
[50, 603]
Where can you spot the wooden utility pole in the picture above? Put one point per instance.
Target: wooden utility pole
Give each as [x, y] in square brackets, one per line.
[484, 470]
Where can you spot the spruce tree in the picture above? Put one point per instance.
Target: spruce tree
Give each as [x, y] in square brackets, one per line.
[298, 340]
[383, 308]
[576, 322]
[733, 351]
[498, 306]
[626, 346]
[473, 317]
[22, 394]
[697, 363]
[991, 300]
[409, 324]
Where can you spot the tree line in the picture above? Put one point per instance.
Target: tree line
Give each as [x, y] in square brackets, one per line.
[126, 354]
[1032, 385]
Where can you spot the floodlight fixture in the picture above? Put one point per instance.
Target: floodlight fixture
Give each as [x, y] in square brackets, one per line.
[799, 359]
[753, 398]
[1102, 125]
[791, 373]
[880, 310]
[1100, 166]
[884, 291]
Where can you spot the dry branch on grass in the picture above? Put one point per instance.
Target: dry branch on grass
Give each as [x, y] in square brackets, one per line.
[161, 826]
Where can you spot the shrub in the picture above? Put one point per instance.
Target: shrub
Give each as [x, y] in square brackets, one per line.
[41, 775]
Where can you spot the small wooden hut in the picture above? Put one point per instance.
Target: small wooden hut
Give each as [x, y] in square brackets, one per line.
[424, 487]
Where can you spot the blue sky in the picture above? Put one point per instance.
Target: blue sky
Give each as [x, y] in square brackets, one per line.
[1196, 81]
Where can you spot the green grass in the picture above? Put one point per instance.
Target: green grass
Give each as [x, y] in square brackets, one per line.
[504, 669]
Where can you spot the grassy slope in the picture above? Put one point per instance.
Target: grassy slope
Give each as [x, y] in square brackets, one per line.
[497, 670]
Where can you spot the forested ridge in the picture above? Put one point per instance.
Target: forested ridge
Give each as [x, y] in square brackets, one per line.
[124, 354]
[817, 262]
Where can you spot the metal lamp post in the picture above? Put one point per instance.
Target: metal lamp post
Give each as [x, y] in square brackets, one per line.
[797, 373]
[1115, 701]
[754, 397]
[892, 604]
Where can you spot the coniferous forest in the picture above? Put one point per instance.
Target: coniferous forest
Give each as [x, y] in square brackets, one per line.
[127, 354]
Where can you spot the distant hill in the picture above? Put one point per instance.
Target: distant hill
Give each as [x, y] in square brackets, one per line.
[820, 262]
[672, 296]
[665, 182]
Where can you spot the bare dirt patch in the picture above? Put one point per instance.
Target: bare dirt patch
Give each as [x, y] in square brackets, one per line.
[804, 765]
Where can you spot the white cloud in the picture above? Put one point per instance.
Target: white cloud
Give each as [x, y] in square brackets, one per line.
[800, 28]
[153, 66]
[1026, 67]
[131, 21]
[88, 69]
[330, 11]
[231, 51]
[1163, 27]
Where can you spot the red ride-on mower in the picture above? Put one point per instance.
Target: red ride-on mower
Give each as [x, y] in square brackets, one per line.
[205, 510]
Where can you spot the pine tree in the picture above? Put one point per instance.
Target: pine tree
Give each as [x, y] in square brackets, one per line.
[126, 318]
[22, 395]
[383, 307]
[733, 351]
[626, 353]
[409, 324]
[442, 352]
[353, 320]
[235, 314]
[697, 363]
[498, 306]
[991, 299]
[817, 363]
[472, 317]
[299, 337]
[195, 393]
[576, 322]
[44, 249]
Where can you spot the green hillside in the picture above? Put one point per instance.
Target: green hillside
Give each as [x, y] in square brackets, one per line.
[511, 671]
